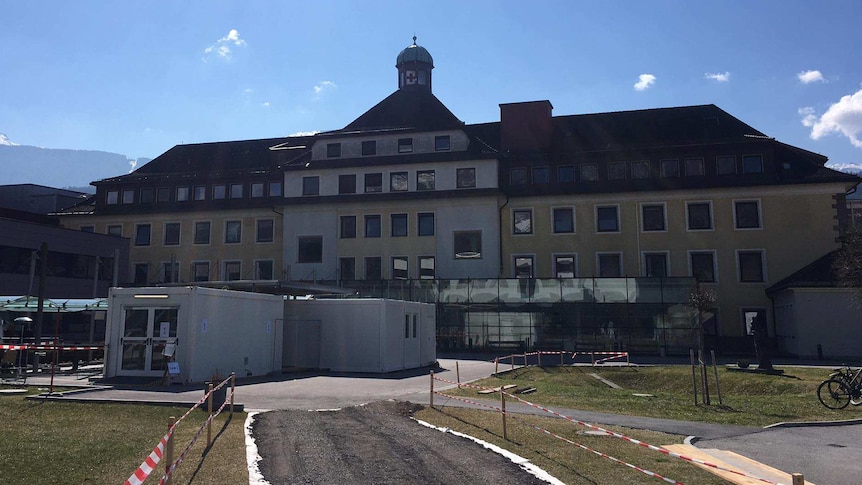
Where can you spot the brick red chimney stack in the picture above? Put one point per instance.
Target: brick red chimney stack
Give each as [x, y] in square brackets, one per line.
[526, 126]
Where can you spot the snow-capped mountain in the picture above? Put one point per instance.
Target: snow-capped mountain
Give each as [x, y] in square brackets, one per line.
[4, 140]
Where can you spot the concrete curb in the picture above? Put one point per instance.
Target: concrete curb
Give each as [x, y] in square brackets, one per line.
[180, 404]
[804, 424]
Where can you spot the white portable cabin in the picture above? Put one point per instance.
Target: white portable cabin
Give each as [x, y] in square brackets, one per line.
[213, 331]
[359, 335]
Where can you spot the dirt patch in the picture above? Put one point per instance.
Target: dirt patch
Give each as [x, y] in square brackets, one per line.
[376, 443]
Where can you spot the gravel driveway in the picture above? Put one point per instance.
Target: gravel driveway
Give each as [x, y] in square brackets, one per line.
[375, 443]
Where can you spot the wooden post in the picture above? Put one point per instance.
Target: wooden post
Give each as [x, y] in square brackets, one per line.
[525, 359]
[628, 362]
[210, 410]
[798, 479]
[503, 405]
[593, 357]
[169, 449]
[715, 371]
[704, 377]
[539, 356]
[561, 359]
[693, 377]
[232, 390]
[512, 360]
[496, 365]
[458, 374]
[431, 398]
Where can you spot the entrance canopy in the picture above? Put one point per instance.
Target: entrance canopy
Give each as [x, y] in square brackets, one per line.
[30, 304]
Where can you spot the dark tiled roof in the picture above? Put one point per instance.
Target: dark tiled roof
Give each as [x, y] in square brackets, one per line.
[415, 110]
[818, 274]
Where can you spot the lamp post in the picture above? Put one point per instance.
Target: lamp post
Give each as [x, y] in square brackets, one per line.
[23, 321]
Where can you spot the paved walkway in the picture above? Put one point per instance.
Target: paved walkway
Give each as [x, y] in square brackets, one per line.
[826, 454]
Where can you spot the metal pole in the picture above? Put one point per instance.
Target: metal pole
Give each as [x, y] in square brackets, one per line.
[503, 407]
[458, 374]
[431, 397]
[210, 411]
[693, 377]
[169, 450]
[715, 370]
[232, 390]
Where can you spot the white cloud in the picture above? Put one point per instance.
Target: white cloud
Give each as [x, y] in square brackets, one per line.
[843, 117]
[645, 81]
[322, 86]
[854, 168]
[808, 77]
[222, 47]
[721, 77]
[305, 133]
[266, 104]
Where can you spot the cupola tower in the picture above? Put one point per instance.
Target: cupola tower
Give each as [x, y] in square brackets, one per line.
[414, 66]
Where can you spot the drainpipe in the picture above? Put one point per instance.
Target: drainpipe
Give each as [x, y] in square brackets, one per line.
[500, 237]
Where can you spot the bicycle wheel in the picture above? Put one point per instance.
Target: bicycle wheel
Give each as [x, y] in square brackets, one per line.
[856, 396]
[833, 394]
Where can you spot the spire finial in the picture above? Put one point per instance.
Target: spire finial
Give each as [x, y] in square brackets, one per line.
[414, 39]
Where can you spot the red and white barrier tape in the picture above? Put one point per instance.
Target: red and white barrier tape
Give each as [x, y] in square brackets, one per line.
[150, 462]
[48, 347]
[641, 443]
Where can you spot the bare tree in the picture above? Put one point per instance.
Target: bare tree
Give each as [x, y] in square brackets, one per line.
[847, 264]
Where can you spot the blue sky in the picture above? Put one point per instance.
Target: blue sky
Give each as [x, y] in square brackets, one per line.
[137, 77]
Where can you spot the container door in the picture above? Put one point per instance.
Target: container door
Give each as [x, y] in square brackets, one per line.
[145, 334]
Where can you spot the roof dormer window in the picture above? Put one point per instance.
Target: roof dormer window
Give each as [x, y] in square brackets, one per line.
[442, 143]
[405, 145]
[333, 150]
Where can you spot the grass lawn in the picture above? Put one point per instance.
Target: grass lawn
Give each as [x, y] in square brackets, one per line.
[749, 399]
[64, 442]
[571, 464]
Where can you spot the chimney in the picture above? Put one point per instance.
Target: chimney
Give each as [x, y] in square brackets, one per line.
[526, 126]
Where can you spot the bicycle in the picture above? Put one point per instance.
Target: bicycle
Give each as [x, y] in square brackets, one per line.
[843, 387]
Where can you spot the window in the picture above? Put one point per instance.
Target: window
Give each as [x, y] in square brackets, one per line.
[265, 231]
[201, 271]
[746, 214]
[607, 219]
[275, 189]
[142, 271]
[163, 194]
[565, 266]
[426, 268]
[202, 232]
[88, 228]
[347, 184]
[310, 185]
[373, 268]
[347, 268]
[523, 266]
[200, 192]
[112, 197]
[219, 191]
[398, 225]
[369, 147]
[752, 164]
[170, 272]
[182, 194]
[398, 181]
[333, 150]
[425, 224]
[233, 232]
[374, 182]
[751, 266]
[522, 221]
[670, 168]
[236, 191]
[309, 249]
[467, 244]
[263, 269]
[699, 216]
[172, 234]
[641, 169]
[442, 143]
[399, 268]
[372, 226]
[518, 176]
[147, 196]
[610, 265]
[694, 167]
[540, 175]
[617, 171]
[129, 196]
[232, 270]
[115, 230]
[725, 164]
[655, 265]
[348, 227]
[405, 145]
[653, 217]
[425, 180]
[256, 190]
[142, 235]
[702, 266]
[465, 178]
[564, 220]
[566, 174]
[589, 172]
